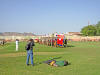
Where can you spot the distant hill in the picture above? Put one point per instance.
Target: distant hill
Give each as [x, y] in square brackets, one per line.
[16, 34]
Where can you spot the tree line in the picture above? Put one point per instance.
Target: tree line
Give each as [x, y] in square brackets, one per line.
[91, 30]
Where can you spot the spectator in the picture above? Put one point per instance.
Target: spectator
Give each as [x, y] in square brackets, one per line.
[17, 42]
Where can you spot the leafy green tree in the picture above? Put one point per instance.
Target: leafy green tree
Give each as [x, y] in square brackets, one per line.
[98, 28]
[98, 24]
[98, 31]
[89, 30]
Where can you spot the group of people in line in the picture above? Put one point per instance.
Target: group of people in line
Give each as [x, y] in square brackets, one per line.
[53, 42]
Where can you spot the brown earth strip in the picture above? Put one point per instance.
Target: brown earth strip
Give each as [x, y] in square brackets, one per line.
[24, 54]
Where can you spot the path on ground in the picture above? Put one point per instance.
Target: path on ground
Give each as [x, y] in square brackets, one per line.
[24, 54]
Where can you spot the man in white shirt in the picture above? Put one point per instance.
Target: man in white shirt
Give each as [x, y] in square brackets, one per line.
[17, 41]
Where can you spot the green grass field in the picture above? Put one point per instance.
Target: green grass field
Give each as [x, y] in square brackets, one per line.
[84, 59]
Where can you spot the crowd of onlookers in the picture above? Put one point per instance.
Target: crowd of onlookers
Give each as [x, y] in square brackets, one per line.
[52, 42]
[2, 41]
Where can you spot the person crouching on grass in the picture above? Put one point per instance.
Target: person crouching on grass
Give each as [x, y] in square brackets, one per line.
[29, 48]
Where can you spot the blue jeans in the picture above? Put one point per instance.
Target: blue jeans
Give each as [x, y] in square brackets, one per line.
[29, 54]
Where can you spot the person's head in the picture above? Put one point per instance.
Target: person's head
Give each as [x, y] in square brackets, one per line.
[16, 39]
[31, 40]
[65, 63]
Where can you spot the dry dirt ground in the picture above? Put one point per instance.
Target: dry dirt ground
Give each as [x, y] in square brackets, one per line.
[24, 54]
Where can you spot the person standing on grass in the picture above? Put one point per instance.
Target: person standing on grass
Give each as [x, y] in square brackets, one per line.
[17, 41]
[29, 48]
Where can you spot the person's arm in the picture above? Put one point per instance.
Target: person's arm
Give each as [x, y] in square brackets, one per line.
[33, 43]
[27, 46]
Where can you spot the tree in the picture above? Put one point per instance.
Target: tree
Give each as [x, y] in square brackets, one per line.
[98, 24]
[98, 28]
[89, 30]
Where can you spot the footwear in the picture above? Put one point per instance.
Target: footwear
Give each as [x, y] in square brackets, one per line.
[27, 64]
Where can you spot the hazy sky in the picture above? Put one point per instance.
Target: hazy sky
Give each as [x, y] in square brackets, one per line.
[47, 16]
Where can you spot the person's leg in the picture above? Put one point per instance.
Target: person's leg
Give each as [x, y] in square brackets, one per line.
[47, 62]
[27, 61]
[16, 47]
[31, 57]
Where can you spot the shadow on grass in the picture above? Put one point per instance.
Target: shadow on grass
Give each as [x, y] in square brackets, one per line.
[70, 46]
[56, 58]
[47, 60]
[69, 63]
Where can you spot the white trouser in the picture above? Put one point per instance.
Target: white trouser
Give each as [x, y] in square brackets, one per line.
[16, 47]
